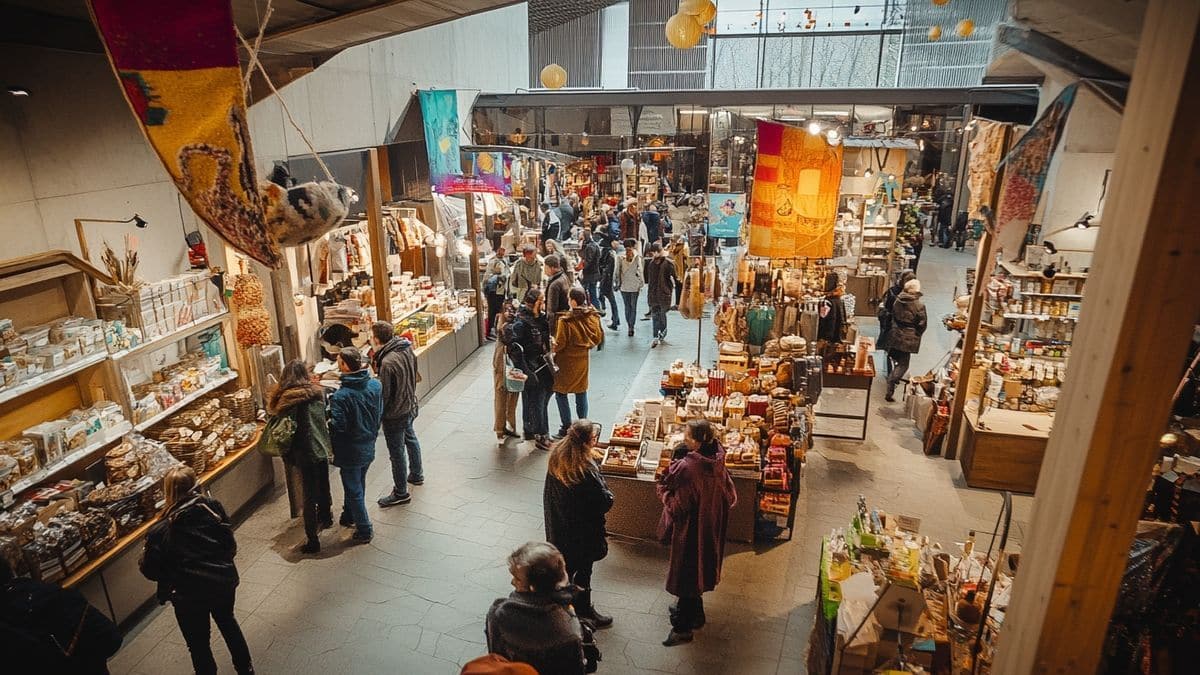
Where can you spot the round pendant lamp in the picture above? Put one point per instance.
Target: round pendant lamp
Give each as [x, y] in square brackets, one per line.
[934, 34]
[682, 31]
[704, 10]
[553, 76]
[965, 28]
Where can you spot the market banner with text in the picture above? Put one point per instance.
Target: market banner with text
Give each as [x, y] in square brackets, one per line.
[177, 64]
[797, 177]
[1025, 169]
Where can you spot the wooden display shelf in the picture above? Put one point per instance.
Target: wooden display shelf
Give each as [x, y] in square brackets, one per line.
[1040, 317]
[113, 435]
[178, 334]
[1007, 454]
[186, 400]
[50, 377]
[136, 535]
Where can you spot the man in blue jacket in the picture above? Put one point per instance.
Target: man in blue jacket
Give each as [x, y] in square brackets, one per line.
[355, 413]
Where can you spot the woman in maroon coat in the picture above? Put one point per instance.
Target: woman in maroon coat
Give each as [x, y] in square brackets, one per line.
[697, 494]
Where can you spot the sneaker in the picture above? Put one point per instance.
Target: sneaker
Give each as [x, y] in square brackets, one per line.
[510, 433]
[602, 312]
[417, 480]
[653, 343]
[677, 638]
[392, 499]
[326, 522]
[646, 317]
[542, 443]
[501, 437]
[613, 326]
[358, 538]
[559, 435]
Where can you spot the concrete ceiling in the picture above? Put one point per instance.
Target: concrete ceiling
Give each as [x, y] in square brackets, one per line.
[301, 35]
[1105, 30]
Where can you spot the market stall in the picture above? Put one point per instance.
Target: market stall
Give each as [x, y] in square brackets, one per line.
[109, 381]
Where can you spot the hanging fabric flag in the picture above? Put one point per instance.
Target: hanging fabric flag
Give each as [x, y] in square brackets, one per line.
[794, 202]
[1025, 170]
[177, 63]
[986, 146]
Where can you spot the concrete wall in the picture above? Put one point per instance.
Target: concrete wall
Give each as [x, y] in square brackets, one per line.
[72, 148]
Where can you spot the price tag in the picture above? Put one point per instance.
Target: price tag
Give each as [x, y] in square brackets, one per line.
[908, 524]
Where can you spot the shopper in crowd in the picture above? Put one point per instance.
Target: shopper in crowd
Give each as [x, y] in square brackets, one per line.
[590, 256]
[917, 244]
[551, 222]
[575, 500]
[884, 311]
[495, 286]
[557, 286]
[959, 231]
[48, 629]
[678, 252]
[396, 365]
[528, 348]
[355, 415]
[569, 213]
[504, 420]
[697, 494]
[908, 325]
[576, 333]
[613, 215]
[607, 262]
[535, 623]
[526, 273]
[190, 553]
[307, 456]
[653, 223]
[660, 283]
[629, 277]
[631, 221]
[945, 218]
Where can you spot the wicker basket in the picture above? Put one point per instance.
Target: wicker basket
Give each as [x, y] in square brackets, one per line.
[241, 405]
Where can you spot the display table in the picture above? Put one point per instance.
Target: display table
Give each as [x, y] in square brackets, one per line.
[849, 382]
[442, 354]
[114, 584]
[636, 509]
[1005, 452]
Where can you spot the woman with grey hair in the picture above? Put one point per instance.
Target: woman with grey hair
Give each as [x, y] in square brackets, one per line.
[535, 624]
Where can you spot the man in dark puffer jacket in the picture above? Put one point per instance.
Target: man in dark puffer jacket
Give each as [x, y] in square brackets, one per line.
[396, 366]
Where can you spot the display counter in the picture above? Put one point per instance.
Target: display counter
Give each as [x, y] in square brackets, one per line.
[636, 508]
[1006, 451]
[444, 351]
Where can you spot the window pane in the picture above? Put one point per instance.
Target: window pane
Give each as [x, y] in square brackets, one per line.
[735, 63]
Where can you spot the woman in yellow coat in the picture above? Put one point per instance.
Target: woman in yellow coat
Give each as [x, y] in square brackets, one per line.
[577, 331]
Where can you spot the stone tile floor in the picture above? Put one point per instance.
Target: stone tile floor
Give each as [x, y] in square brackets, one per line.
[413, 601]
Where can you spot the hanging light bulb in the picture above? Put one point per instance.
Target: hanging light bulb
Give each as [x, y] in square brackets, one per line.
[921, 144]
[586, 140]
[814, 127]
[833, 136]
[439, 245]
[868, 173]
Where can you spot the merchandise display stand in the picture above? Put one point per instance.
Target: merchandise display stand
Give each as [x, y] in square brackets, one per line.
[848, 382]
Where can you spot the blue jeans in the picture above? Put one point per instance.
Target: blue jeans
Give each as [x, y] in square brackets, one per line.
[354, 485]
[631, 300]
[658, 320]
[593, 291]
[403, 449]
[564, 408]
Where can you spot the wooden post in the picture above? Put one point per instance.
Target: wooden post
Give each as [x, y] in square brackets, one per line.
[379, 271]
[983, 270]
[1130, 345]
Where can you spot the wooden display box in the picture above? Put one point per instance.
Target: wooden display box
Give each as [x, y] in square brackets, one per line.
[1000, 458]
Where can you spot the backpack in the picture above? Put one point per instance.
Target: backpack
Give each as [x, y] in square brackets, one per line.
[492, 285]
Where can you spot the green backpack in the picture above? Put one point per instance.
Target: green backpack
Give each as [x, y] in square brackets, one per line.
[276, 439]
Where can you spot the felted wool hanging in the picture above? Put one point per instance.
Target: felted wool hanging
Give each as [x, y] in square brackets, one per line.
[298, 214]
[177, 64]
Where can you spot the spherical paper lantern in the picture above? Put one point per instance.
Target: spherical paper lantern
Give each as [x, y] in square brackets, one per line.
[934, 34]
[940, 3]
[553, 76]
[628, 165]
[682, 31]
[704, 10]
[965, 28]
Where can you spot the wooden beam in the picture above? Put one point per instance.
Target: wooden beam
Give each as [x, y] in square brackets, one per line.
[1049, 50]
[1130, 345]
[379, 271]
[983, 270]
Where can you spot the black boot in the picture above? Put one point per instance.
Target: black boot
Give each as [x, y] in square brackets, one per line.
[587, 612]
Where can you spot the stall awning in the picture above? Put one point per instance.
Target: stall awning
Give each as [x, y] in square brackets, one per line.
[898, 143]
[518, 151]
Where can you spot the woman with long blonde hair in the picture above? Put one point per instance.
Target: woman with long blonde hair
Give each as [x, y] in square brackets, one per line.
[575, 500]
[190, 554]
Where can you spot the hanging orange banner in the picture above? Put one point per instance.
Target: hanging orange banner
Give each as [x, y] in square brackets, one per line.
[794, 202]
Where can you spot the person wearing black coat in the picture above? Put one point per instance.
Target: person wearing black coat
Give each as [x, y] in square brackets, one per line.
[909, 321]
[528, 349]
[190, 554]
[575, 500]
[44, 628]
[884, 310]
[534, 625]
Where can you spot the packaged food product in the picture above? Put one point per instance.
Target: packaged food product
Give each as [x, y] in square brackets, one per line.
[36, 336]
[77, 435]
[51, 356]
[48, 438]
